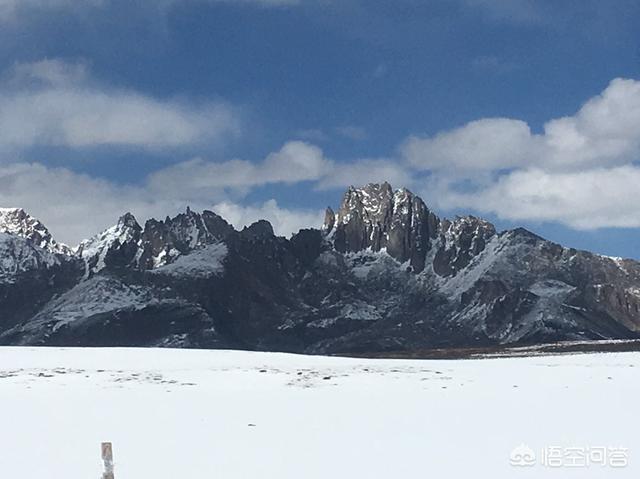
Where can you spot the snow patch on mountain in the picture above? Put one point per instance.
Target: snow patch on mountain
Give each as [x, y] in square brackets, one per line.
[201, 263]
[18, 255]
[99, 294]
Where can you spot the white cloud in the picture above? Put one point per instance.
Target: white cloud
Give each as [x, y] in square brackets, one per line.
[55, 103]
[486, 144]
[605, 131]
[603, 197]
[75, 206]
[49, 72]
[365, 171]
[581, 171]
[284, 221]
[296, 161]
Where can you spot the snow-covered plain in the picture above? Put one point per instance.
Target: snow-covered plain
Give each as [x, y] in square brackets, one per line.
[222, 414]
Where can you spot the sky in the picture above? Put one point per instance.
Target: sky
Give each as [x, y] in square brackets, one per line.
[524, 112]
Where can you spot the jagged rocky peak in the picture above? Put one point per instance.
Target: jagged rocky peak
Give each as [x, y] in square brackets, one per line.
[18, 222]
[127, 229]
[467, 230]
[462, 239]
[129, 221]
[377, 217]
[127, 244]
[164, 241]
[259, 230]
[115, 246]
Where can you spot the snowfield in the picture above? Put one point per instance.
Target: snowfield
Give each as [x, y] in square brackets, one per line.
[224, 414]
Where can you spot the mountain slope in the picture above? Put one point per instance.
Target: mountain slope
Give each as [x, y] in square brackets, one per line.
[30, 276]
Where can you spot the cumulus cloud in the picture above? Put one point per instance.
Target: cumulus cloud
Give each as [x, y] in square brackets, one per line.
[365, 171]
[605, 131]
[75, 206]
[602, 197]
[581, 170]
[284, 221]
[55, 103]
[296, 161]
[486, 144]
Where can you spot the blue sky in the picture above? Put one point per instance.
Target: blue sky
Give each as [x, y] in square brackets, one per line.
[526, 113]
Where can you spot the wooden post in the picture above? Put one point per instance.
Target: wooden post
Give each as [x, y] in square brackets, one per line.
[107, 458]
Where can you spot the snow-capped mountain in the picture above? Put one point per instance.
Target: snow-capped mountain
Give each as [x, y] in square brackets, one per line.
[33, 267]
[384, 273]
[16, 221]
[159, 243]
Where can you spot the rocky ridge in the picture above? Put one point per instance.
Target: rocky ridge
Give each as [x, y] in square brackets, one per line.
[384, 273]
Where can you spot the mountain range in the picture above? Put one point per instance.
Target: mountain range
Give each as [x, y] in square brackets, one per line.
[382, 274]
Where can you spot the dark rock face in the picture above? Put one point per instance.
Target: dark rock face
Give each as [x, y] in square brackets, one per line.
[376, 217]
[462, 240]
[383, 274]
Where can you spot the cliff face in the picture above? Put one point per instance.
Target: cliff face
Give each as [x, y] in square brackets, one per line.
[384, 273]
[376, 217]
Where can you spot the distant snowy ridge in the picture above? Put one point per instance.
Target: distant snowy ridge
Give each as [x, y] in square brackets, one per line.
[18, 222]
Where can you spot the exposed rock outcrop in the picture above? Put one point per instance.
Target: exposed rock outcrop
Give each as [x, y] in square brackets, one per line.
[379, 218]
